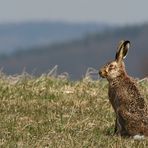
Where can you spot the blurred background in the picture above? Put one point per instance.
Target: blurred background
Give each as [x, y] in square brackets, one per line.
[36, 35]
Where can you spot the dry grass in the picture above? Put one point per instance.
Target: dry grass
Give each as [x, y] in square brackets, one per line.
[55, 112]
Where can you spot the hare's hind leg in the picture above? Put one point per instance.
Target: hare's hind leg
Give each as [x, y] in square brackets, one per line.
[138, 137]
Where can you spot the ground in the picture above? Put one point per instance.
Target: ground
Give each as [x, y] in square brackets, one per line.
[49, 111]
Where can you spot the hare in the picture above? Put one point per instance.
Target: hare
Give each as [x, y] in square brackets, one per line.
[129, 105]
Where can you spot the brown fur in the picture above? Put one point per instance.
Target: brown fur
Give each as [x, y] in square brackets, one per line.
[124, 95]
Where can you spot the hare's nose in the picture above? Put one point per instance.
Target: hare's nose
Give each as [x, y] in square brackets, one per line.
[100, 72]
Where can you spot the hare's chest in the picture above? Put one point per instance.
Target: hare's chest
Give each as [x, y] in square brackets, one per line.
[114, 99]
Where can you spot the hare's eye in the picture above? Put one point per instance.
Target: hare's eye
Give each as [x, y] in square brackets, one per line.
[111, 66]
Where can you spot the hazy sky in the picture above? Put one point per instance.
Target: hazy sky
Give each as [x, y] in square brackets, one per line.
[109, 11]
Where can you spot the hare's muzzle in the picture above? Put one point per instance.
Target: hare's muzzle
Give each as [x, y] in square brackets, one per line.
[101, 73]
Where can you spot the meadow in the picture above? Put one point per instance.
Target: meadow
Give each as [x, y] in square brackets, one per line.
[55, 112]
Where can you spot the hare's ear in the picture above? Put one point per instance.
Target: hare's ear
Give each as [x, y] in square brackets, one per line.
[122, 50]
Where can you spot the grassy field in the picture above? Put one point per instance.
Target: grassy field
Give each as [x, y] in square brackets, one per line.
[55, 112]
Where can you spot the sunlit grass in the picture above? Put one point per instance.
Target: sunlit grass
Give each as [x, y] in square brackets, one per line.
[56, 112]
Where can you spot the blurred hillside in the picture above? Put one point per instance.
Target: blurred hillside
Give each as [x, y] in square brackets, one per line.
[26, 35]
[76, 56]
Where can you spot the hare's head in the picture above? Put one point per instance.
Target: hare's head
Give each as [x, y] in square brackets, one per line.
[116, 68]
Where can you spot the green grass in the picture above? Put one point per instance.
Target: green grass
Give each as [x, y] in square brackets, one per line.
[58, 113]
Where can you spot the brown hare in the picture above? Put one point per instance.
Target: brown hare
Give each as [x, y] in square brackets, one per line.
[129, 105]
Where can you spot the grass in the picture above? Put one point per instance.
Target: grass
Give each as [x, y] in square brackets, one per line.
[58, 113]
